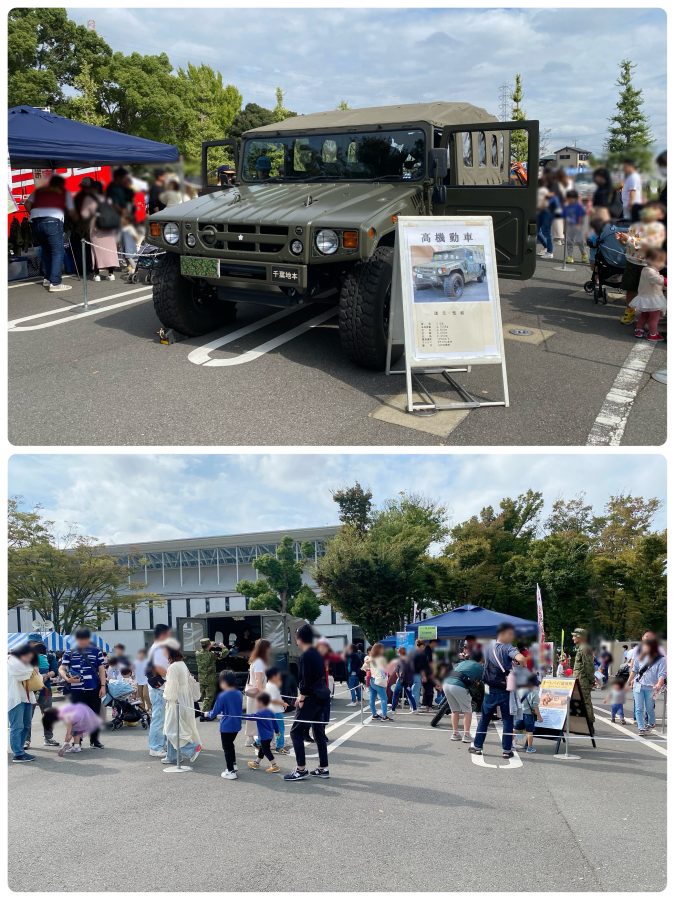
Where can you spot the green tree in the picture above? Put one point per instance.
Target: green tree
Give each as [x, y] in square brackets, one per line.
[629, 132]
[519, 140]
[212, 107]
[26, 528]
[343, 105]
[281, 584]
[355, 505]
[251, 116]
[280, 112]
[85, 106]
[306, 604]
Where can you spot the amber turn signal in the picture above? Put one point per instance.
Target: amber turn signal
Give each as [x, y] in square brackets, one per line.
[155, 229]
[350, 240]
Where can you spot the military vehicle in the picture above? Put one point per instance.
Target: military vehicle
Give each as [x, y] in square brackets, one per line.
[312, 213]
[238, 632]
[449, 270]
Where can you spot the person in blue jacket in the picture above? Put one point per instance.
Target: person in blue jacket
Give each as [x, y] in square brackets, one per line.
[229, 707]
[267, 727]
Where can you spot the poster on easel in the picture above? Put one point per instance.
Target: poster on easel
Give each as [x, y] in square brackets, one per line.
[445, 306]
[554, 695]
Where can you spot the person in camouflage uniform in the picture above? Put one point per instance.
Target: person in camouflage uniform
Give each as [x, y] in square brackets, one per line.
[207, 675]
[584, 670]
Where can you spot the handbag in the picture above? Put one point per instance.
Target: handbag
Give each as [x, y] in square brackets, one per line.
[195, 690]
[35, 683]
[107, 217]
[510, 675]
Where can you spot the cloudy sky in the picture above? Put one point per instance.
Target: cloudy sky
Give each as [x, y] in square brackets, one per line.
[133, 498]
[568, 57]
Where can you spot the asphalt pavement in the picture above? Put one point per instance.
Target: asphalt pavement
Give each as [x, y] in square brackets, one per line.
[405, 809]
[101, 377]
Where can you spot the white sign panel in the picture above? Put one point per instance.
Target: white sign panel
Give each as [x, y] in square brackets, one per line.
[449, 290]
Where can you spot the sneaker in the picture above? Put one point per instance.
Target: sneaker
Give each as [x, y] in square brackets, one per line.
[643, 732]
[76, 749]
[639, 332]
[253, 764]
[628, 316]
[273, 769]
[165, 759]
[26, 745]
[622, 721]
[196, 753]
[413, 712]
[157, 752]
[612, 720]
[231, 776]
[531, 750]
[584, 258]
[96, 278]
[46, 282]
[655, 338]
[296, 775]
[376, 716]
[320, 773]
[547, 256]
[66, 748]
[57, 288]
[456, 736]
[352, 704]
[387, 719]
[96, 745]
[110, 277]
[466, 738]
[283, 750]
[507, 754]
[475, 750]
[23, 757]
[50, 742]
[569, 260]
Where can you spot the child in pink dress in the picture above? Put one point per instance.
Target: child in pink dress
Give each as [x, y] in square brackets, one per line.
[79, 720]
[650, 301]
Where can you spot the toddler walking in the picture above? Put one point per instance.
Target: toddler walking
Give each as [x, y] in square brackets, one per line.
[574, 215]
[617, 697]
[529, 702]
[267, 728]
[650, 301]
[277, 705]
[228, 707]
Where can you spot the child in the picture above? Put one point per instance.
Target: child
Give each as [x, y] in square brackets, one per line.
[267, 726]
[529, 701]
[617, 697]
[574, 215]
[228, 707]
[650, 301]
[277, 705]
[79, 720]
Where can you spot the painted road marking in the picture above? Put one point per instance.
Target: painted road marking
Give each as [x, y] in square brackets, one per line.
[610, 423]
[635, 737]
[82, 315]
[340, 740]
[59, 309]
[33, 282]
[201, 355]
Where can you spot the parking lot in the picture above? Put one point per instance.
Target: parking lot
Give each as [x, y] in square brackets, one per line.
[404, 809]
[279, 377]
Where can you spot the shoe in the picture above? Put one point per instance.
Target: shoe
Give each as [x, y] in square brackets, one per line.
[547, 256]
[57, 288]
[639, 332]
[66, 748]
[50, 742]
[26, 745]
[283, 750]
[475, 750]
[46, 282]
[352, 704]
[387, 719]
[612, 720]
[96, 278]
[96, 745]
[643, 732]
[76, 749]
[376, 716]
[413, 712]
[256, 743]
[296, 775]
[628, 316]
[655, 338]
[165, 759]
[309, 740]
[110, 277]
[507, 754]
[253, 764]
[231, 776]
[273, 769]
[531, 750]
[320, 773]
[391, 714]
[23, 757]
[622, 721]
[456, 736]
[196, 753]
[569, 260]
[584, 258]
[157, 752]
[466, 738]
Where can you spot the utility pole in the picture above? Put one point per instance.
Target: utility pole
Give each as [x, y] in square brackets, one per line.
[505, 91]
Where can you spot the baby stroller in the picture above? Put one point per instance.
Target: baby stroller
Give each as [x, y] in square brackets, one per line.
[124, 709]
[148, 259]
[608, 260]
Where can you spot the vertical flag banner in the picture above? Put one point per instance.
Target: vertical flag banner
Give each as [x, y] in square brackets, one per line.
[540, 617]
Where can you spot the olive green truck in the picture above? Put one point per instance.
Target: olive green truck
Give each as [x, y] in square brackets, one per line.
[311, 214]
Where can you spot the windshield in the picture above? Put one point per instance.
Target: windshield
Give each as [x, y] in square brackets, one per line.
[352, 156]
[444, 257]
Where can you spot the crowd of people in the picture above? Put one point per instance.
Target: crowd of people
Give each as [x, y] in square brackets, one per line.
[497, 680]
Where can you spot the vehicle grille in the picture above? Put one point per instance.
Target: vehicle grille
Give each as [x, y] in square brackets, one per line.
[244, 238]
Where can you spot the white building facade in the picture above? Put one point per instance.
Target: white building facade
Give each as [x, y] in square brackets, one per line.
[199, 575]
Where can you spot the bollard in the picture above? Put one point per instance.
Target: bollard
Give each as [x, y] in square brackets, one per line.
[84, 274]
[178, 768]
[566, 755]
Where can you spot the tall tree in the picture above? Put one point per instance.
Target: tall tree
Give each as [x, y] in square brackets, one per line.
[26, 527]
[212, 108]
[281, 585]
[629, 132]
[355, 505]
[519, 140]
[85, 106]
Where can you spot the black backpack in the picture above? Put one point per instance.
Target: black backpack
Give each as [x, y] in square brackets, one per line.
[107, 217]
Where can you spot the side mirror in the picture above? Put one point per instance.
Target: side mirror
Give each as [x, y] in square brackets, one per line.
[438, 163]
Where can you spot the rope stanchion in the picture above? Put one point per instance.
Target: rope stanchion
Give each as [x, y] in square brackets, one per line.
[84, 274]
[178, 767]
[567, 755]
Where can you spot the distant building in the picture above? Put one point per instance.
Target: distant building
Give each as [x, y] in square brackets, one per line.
[571, 157]
[198, 575]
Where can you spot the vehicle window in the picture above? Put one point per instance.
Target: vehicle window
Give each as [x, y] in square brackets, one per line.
[495, 151]
[469, 255]
[193, 632]
[329, 151]
[467, 148]
[482, 149]
[264, 160]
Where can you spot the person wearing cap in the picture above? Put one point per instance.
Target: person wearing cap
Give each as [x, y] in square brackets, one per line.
[584, 669]
[207, 676]
[313, 695]
[48, 669]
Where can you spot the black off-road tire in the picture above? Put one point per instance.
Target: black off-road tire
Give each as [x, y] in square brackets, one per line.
[189, 307]
[453, 286]
[364, 311]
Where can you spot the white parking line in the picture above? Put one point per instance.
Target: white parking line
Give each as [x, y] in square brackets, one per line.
[32, 282]
[636, 737]
[201, 356]
[610, 423]
[82, 315]
[59, 309]
[333, 744]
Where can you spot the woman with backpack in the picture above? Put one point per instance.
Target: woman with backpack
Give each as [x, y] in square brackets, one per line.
[456, 689]
[102, 222]
[647, 678]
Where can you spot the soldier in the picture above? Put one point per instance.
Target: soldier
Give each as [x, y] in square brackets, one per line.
[584, 670]
[207, 675]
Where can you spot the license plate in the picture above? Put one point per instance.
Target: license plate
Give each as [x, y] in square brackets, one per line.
[285, 275]
[200, 266]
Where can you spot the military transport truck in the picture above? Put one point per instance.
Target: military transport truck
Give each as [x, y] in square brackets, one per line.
[449, 270]
[312, 213]
[238, 632]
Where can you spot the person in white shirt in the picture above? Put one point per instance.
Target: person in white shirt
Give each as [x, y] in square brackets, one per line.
[257, 680]
[158, 657]
[277, 704]
[631, 192]
[141, 680]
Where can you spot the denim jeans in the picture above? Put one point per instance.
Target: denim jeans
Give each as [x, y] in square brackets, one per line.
[48, 234]
[544, 235]
[186, 752]
[19, 726]
[281, 737]
[156, 732]
[496, 698]
[399, 688]
[617, 710]
[645, 711]
[417, 689]
[376, 691]
[355, 687]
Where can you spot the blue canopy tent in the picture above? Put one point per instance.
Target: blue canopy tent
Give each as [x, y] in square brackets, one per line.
[54, 641]
[40, 139]
[475, 620]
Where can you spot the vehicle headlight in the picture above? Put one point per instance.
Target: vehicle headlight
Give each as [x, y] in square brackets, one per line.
[296, 247]
[190, 240]
[171, 233]
[327, 241]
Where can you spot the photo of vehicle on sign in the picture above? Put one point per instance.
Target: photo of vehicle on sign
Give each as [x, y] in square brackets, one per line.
[449, 273]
